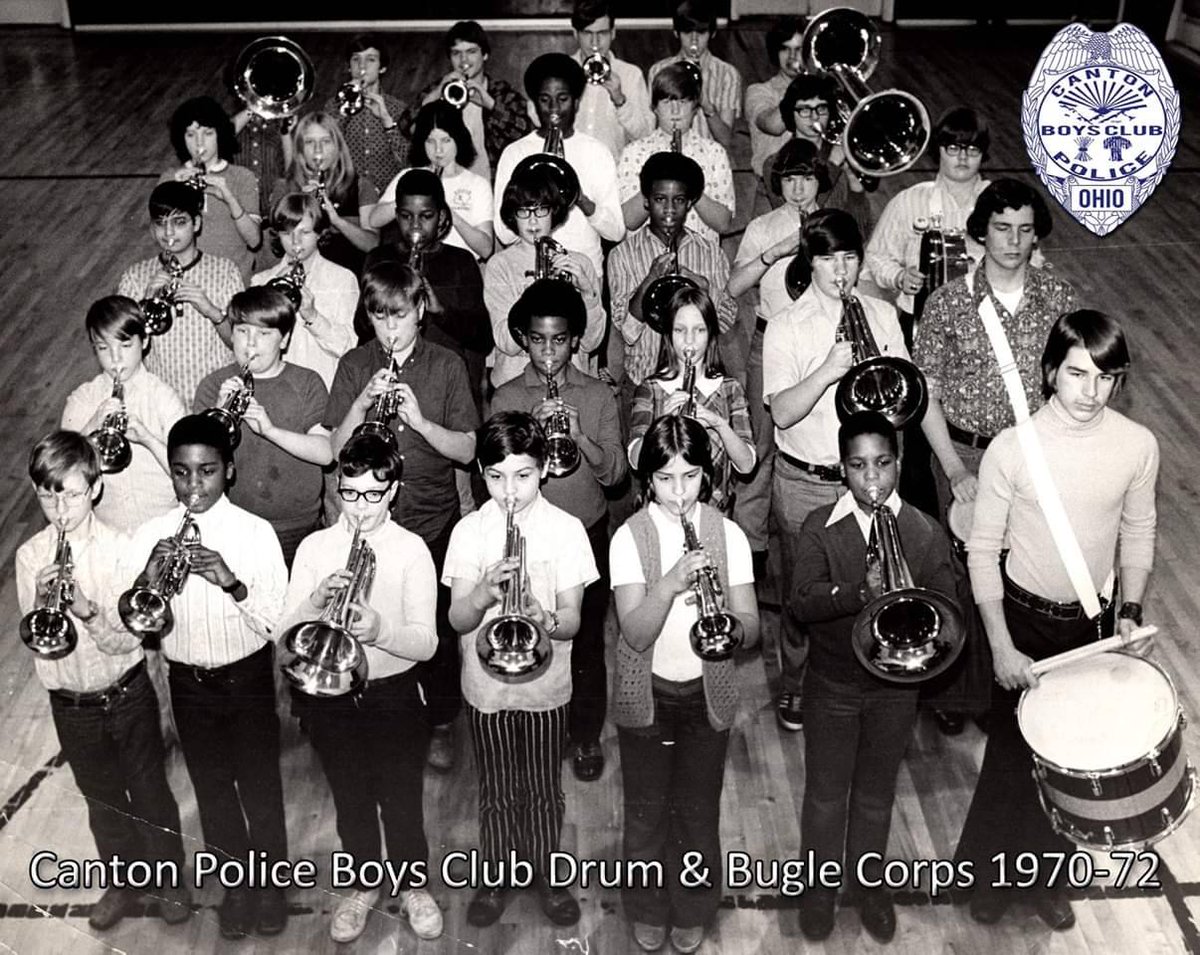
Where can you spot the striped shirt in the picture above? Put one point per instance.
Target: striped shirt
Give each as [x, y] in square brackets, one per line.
[105, 649]
[192, 348]
[720, 81]
[143, 490]
[220, 235]
[211, 628]
[709, 154]
[630, 263]
[335, 295]
[598, 117]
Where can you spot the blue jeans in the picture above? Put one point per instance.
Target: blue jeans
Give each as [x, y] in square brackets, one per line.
[854, 741]
[672, 773]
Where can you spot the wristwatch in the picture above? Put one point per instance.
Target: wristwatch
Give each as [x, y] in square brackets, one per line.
[551, 622]
[1130, 610]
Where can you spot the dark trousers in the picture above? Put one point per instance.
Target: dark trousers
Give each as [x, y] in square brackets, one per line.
[854, 740]
[372, 747]
[672, 774]
[229, 733]
[521, 801]
[1005, 814]
[589, 676]
[439, 675]
[115, 751]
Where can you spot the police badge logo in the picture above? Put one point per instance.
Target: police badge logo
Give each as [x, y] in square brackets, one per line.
[1101, 122]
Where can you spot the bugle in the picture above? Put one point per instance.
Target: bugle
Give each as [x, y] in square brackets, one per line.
[688, 408]
[47, 630]
[158, 311]
[717, 633]
[552, 164]
[562, 453]
[110, 439]
[907, 634]
[146, 610]
[545, 250]
[456, 93]
[596, 67]
[291, 282]
[234, 407]
[657, 297]
[384, 407]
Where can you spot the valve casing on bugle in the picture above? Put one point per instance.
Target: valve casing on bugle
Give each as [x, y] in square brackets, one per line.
[234, 407]
[146, 610]
[110, 440]
[717, 633]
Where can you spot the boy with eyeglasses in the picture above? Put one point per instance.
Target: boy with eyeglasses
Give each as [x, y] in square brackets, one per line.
[372, 744]
[768, 132]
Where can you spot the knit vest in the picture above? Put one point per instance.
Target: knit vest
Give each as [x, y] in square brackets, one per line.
[633, 700]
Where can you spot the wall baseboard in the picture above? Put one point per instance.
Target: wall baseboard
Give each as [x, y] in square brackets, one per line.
[34, 12]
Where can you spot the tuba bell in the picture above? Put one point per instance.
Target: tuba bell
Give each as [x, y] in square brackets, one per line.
[234, 407]
[656, 300]
[146, 610]
[512, 646]
[908, 634]
[110, 440]
[322, 657]
[892, 386]
[717, 633]
[881, 133]
[48, 631]
[273, 76]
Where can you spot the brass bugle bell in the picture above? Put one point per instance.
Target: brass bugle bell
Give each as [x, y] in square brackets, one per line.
[717, 633]
[562, 453]
[322, 657]
[110, 440]
[290, 283]
[350, 98]
[146, 611]
[384, 407]
[551, 163]
[512, 646]
[908, 634]
[273, 76]
[456, 93]
[234, 407]
[47, 630]
[596, 67]
[158, 311]
[888, 384]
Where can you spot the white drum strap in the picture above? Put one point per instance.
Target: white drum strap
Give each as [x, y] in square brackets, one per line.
[1035, 458]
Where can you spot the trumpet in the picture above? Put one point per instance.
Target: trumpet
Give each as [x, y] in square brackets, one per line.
[322, 657]
[146, 610]
[545, 249]
[894, 387]
[290, 282]
[456, 93]
[384, 407]
[908, 633]
[597, 68]
[562, 453]
[513, 647]
[657, 298]
[111, 443]
[350, 99]
[688, 408]
[197, 181]
[160, 309]
[717, 633]
[230, 413]
[48, 631]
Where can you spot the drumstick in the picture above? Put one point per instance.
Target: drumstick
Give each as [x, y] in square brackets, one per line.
[1083, 653]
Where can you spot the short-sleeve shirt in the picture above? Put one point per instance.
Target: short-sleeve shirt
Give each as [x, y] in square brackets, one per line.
[220, 234]
[557, 558]
[759, 97]
[954, 352]
[467, 193]
[427, 501]
[673, 656]
[272, 483]
[615, 127]
[762, 233]
[721, 82]
[796, 343]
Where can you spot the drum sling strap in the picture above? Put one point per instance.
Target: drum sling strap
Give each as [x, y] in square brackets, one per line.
[1047, 494]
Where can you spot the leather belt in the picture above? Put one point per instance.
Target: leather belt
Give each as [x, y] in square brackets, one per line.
[819, 471]
[1046, 608]
[760, 324]
[101, 697]
[969, 438]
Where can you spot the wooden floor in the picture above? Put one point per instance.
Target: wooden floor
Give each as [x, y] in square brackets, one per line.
[85, 122]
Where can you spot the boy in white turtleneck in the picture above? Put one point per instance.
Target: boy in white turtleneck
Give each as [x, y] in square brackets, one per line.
[1105, 468]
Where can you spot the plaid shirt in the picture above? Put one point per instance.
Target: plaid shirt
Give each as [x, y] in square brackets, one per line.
[630, 262]
[720, 81]
[192, 348]
[508, 120]
[378, 154]
[953, 350]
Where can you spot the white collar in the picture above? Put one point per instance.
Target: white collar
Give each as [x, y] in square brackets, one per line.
[846, 505]
[704, 384]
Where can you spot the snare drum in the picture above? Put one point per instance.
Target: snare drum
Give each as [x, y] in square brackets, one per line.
[958, 519]
[1107, 741]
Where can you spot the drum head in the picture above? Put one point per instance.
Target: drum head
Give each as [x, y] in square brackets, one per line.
[959, 517]
[1102, 713]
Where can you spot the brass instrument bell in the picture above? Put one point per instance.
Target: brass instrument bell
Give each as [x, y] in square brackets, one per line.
[158, 311]
[562, 453]
[273, 76]
[456, 93]
[146, 611]
[47, 630]
[596, 67]
[717, 633]
[656, 299]
[110, 440]
[234, 407]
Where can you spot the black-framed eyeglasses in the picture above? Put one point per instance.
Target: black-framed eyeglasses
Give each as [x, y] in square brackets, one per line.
[807, 112]
[527, 212]
[954, 149]
[373, 496]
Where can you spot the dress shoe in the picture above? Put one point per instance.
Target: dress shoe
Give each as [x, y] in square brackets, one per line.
[111, 907]
[817, 914]
[687, 940]
[441, 748]
[1053, 908]
[558, 904]
[272, 911]
[174, 904]
[988, 906]
[878, 914]
[237, 913]
[948, 723]
[588, 762]
[649, 938]
[487, 906]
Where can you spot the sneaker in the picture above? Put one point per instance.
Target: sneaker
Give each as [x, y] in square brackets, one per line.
[441, 748]
[111, 907]
[588, 761]
[350, 916]
[789, 710]
[687, 939]
[422, 912]
[649, 938]
[174, 904]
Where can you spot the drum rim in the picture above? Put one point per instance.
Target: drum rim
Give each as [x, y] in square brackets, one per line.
[1177, 725]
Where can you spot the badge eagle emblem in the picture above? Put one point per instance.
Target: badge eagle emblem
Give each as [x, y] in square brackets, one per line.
[1101, 122]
